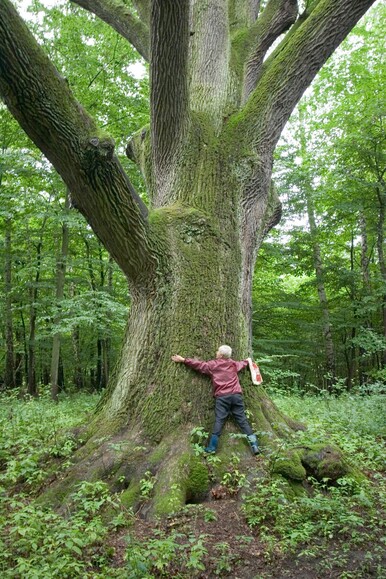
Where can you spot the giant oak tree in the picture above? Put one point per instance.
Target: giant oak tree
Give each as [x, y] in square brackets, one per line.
[225, 76]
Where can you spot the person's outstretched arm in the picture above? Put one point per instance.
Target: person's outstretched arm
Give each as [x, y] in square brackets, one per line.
[198, 365]
[242, 364]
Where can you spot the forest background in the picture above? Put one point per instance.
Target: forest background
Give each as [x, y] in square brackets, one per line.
[319, 288]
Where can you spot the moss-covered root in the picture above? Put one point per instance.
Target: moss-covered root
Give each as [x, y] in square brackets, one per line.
[326, 461]
[182, 478]
[118, 460]
[289, 465]
[320, 461]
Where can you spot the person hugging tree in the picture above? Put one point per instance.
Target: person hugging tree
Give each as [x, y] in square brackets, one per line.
[227, 392]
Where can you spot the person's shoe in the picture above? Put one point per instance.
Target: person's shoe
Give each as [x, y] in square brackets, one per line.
[253, 443]
[213, 444]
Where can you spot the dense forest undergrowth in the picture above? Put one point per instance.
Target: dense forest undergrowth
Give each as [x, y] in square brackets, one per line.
[334, 531]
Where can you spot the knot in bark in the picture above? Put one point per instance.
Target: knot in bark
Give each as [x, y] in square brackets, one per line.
[104, 148]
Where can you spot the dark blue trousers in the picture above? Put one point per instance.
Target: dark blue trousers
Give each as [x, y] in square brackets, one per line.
[231, 404]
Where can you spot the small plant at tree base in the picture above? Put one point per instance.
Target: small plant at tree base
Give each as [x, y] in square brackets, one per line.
[160, 554]
[92, 496]
[213, 459]
[234, 480]
[147, 484]
[197, 553]
[198, 438]
[64, 448]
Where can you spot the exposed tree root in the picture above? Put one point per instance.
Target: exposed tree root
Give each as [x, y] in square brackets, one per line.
[159, 479]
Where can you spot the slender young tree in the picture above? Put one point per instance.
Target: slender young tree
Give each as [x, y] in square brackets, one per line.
[60, 279]
[218, 105]
[9, 371]
[32, 386]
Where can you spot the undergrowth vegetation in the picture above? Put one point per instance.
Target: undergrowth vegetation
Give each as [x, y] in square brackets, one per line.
[337, 528]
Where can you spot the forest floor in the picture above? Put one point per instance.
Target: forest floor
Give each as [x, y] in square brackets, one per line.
[231, 548]
[328, 532]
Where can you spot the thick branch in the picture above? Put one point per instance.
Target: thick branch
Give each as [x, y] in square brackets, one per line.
[242, 13]
[210, 60]
[143, 9]
[292, 67]
[125, 22]
[168, 76]
[277, 17]
[43, 104]
[254, 8]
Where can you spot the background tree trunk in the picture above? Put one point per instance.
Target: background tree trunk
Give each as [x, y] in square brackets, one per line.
[33, 295]
[381, 194]
[319, 272]
[60, 279]
[9, 372]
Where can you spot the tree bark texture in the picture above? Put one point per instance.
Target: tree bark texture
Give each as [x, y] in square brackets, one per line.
[217, 112]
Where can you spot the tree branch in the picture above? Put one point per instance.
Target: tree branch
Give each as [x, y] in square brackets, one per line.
[277, 17]
[125, 22]
[242, 13]
[41, 101]
[254, 8]
[285, 76]
[292, 67]
[143, 9]
[210, 60]
[168, 78]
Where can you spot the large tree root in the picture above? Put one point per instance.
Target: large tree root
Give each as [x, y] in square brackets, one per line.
[158, 480]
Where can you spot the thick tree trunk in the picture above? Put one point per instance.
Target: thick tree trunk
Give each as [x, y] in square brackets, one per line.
[151, 405]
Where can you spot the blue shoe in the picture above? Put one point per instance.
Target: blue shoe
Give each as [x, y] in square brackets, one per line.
[213, 444]
[252, 439]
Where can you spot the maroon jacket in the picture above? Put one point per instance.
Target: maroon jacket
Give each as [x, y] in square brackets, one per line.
[223, 373]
